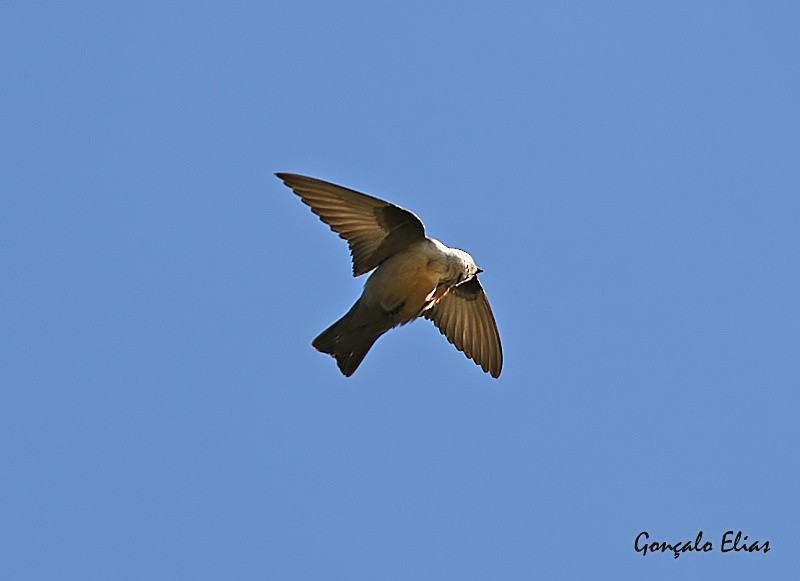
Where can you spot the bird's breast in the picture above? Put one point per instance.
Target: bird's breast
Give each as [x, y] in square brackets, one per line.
[406, 281]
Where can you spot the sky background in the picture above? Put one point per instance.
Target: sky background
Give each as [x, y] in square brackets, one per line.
[626, 173]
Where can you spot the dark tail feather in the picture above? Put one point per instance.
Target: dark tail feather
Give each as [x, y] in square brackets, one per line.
[347, 344]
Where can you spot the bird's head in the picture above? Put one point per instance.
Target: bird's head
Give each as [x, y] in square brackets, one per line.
[469, 268]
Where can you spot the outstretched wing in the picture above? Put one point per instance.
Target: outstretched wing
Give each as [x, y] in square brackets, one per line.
[464, 316]
[374, 229]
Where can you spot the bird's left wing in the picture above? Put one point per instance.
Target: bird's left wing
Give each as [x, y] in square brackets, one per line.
[464, 316]
[374, 229]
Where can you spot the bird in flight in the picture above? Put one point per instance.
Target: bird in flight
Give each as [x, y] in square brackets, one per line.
[414, 276]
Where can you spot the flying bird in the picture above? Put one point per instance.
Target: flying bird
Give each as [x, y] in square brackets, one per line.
[414, 276]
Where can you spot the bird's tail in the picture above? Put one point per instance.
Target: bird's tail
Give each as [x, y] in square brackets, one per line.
[350, 338]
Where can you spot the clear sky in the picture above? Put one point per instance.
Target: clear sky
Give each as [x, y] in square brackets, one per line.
[627, 174]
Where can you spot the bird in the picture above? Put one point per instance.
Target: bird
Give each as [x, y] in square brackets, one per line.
[412, 276]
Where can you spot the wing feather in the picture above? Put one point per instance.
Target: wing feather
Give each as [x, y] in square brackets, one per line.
[464, 317]
[374, 229]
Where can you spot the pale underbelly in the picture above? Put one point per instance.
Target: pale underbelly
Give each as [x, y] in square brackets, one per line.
[404, 285]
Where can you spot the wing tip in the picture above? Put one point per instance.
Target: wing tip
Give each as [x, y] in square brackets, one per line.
[289, 178]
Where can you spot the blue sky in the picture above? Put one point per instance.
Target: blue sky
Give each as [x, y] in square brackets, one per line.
[627, 174]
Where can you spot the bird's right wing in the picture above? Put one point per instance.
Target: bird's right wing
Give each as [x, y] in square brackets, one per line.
[464, 316]
[374, 229]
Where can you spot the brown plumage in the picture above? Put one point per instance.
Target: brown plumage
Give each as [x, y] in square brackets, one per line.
[413, 276]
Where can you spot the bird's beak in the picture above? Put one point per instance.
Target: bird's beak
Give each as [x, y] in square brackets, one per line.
[480, 270]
